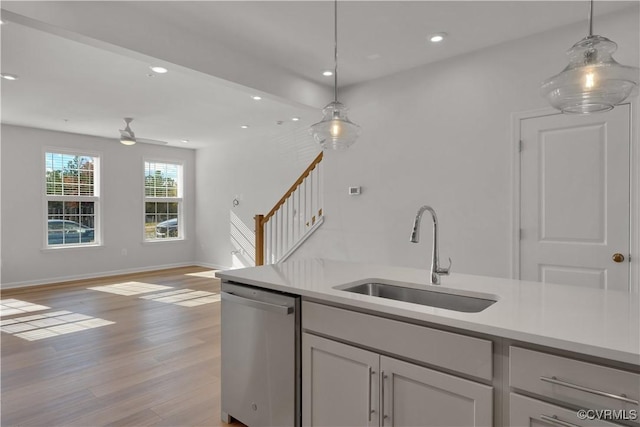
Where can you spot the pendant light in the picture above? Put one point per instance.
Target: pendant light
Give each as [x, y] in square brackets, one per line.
[593, 81]
[335, 131]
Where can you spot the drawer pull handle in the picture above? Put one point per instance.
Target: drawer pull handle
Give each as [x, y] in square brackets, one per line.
[556, 421]
[369, 410]
[384, 416]
[623, 398]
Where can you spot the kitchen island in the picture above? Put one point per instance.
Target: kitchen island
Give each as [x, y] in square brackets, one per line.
[538, 355]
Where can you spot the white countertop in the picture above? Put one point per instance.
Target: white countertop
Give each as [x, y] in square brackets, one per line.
[589, 321]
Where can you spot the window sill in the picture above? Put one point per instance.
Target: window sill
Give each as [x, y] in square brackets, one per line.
[156, 241]
[70, 247]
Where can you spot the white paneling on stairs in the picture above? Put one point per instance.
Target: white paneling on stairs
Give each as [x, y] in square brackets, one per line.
[296, 216]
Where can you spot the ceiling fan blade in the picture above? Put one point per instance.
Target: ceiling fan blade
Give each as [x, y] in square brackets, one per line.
[151, 141]
[126, 133]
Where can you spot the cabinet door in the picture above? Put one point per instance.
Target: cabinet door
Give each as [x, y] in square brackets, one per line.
[339, 384]
[527, 412]
[416, 396]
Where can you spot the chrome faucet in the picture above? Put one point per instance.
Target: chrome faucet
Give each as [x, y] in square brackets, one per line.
[436, 270]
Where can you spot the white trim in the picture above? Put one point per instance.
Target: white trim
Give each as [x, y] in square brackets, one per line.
[301, 240]
[634, 205]
[516, 118]
[96, 198]
[634, 195]
[53, 281]
[180, 199]
[212, 266]
[56, 248]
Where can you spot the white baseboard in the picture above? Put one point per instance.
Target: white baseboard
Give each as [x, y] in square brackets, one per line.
[211, 266]
[54, 280]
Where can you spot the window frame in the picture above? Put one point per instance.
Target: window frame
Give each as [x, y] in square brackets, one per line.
[96, 198]
[152, 199]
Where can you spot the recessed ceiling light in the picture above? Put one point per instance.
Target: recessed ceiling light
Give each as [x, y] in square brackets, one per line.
[245, 126]
[184, 141]
[437, 37]
[159, 70]
[8, 76]
[295, 119]
[327, 73]
[256, 98]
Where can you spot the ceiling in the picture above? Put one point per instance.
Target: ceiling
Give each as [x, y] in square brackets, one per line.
[73, 87]
[376, 38]
[85, 85]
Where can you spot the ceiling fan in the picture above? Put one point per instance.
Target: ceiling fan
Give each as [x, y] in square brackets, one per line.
[128, 137]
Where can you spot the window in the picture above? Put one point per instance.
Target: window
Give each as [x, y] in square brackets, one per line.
[163, 201]
[72, 199]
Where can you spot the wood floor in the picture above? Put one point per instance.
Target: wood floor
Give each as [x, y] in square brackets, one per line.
[157, 365]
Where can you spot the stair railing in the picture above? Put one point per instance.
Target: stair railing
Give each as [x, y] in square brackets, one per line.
[293, 219]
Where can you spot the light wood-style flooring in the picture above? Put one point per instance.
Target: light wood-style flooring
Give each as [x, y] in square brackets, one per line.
[157, 365]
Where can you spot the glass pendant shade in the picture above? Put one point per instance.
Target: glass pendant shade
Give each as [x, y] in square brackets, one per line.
[593, 81]
[335, 131]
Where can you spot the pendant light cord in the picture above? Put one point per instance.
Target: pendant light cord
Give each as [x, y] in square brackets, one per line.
[335, 50]
[590, 18]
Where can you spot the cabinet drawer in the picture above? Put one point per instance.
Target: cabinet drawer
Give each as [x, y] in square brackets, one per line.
[460, 353]
[524, 411]
[581, 384]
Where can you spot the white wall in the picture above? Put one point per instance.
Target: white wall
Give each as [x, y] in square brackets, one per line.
[259, 169]
[441, 135]
[24, 262]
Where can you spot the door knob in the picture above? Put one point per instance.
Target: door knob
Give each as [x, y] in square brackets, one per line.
[617, 257]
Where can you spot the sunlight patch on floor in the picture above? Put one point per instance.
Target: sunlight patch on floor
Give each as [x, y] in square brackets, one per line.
[15, 306]
[48, 325]
[211, 274]
[184, 297]
[130, 288]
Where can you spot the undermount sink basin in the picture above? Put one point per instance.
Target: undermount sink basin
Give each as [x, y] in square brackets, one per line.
[439, 299]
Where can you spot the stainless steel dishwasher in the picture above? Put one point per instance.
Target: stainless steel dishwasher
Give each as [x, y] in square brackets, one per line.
[260, 356]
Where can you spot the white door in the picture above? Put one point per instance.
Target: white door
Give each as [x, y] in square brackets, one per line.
[574, 199]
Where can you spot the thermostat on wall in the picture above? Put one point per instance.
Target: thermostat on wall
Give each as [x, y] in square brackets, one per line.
[354, 191]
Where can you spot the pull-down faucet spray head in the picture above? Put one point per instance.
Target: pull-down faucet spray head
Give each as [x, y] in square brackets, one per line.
[415, 233]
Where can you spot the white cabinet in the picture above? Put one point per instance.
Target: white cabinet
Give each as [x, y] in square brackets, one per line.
[347, 386]
[416, 396]
[571, 384]
[452, 351]
[527, 412]
[340, 384]
[360, 369]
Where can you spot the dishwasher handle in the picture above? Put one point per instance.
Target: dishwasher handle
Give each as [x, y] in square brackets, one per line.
[276, 308]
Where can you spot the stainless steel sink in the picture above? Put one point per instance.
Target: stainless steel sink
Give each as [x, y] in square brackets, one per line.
[439, 299]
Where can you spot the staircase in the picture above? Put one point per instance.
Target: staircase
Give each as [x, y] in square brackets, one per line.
[293, 219]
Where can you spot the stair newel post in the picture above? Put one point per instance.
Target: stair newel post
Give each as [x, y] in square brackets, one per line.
[259, 239]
